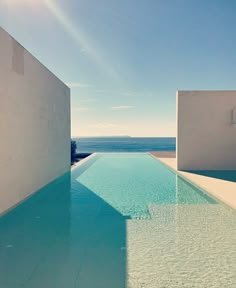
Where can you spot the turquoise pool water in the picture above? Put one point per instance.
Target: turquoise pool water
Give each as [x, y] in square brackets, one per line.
[122, 221]
[131, 182]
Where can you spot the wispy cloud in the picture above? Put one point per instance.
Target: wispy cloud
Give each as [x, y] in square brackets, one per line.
[88, 100]
[105, 125]
[78, 85]
[83, 109]
[127, 93]
[114, 92]
[99, 91]
[121, 107]
[83, 50]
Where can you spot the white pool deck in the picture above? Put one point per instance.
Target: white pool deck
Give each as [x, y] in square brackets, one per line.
[224, 191]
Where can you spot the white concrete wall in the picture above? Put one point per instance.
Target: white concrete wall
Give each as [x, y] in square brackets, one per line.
[34, 124]
[206, 138]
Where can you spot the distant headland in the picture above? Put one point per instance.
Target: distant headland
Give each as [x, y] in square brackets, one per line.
[113, 136]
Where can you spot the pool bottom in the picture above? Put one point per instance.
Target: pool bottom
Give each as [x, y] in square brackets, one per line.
[131, 182]
[182, 246]
[71, 233]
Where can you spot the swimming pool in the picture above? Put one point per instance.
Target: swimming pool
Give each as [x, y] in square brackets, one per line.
[118, 220]
[132, 182]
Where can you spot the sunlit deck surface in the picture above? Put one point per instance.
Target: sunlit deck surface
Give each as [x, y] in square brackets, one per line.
[219, 184]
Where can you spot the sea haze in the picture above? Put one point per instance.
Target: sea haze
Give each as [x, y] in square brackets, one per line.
[124, 144]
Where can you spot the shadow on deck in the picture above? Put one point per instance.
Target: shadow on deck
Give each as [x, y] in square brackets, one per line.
[223, 175]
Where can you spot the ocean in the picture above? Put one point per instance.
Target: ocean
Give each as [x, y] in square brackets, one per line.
[125, 144]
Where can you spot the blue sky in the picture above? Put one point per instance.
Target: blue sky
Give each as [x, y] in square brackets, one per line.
[125, 59]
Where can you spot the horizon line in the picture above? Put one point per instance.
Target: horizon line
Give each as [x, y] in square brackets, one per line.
[119, 136]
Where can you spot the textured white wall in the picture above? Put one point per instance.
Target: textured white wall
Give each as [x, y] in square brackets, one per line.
[206, 138]
[34, 124]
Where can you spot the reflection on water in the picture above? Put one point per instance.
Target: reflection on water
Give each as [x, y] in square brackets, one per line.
[64, 236]
[131, 183]
[29, 233]
[186, 193]
[82, 231]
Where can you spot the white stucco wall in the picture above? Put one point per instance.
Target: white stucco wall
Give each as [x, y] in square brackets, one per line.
[34, 124]
[206, 138]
